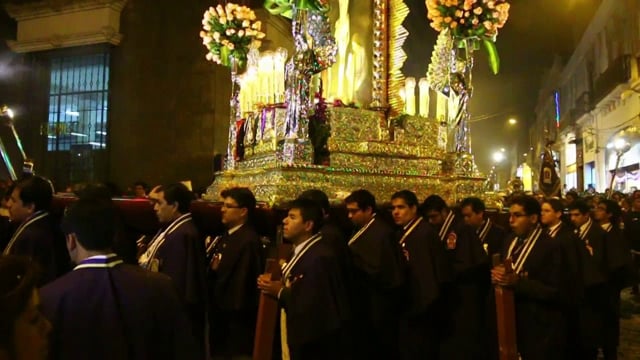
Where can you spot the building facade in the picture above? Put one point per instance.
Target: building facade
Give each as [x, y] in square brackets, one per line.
[118, 90]
[597, 97]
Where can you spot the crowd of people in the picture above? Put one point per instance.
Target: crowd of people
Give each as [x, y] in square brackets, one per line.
[413, 282]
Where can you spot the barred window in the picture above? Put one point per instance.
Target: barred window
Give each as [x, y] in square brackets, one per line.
[78, 102]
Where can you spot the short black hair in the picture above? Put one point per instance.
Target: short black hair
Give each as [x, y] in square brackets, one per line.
[434, 203]
[363, 198]
[93, 220]
[310, 211]
[613, 208]
[178, 193]
[556, 204]
[36, 190]
[529, 204]
[319, 197]
[408, 196]
[477, 205]
[581, 206]
[243, 196]
[18, 278]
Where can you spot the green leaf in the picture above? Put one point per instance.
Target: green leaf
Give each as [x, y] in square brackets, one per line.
[494, 58]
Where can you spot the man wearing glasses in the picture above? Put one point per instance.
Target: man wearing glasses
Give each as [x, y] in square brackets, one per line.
[235, 264]
[538, 276]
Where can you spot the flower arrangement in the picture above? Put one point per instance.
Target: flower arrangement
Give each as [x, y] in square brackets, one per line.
[231, 30]
[478, 20]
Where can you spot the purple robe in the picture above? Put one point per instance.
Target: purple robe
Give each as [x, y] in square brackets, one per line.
[105, 309]
[234, 296]
[182, 257]
[317, 307]
[41, 241]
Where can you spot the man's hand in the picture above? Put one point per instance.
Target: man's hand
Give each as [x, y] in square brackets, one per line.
[268, 286]
[215, 262]
[499, 276]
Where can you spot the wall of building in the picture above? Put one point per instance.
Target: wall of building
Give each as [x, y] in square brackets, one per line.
[168, 107]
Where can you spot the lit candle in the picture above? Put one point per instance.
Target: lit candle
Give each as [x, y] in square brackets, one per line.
[268, 74]
[410, 94]
[404, 100]
[280, 61]
[424, 97]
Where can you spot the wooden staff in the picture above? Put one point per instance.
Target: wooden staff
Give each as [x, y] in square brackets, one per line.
[268, 306]
[506, 316]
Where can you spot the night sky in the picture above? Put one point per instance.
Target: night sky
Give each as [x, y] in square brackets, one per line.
[535, 31]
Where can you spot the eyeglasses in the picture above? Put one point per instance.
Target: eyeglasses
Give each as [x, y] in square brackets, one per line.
[230, 206]
[517, 215]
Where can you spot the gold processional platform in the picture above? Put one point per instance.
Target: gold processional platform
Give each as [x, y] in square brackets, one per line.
[367, 151]
[383, 151]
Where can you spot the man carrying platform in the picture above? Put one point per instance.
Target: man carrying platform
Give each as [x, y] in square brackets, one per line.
[235, 263]
[428, 272]
[379, 274]
[37, 237]
[178, 251]
[537, 280]
[465, 296]
[313, 296]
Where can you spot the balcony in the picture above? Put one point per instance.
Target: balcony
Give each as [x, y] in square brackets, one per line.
[582, 106]
[618, 73]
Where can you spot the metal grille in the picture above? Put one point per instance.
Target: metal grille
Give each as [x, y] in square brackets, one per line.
[78, 102]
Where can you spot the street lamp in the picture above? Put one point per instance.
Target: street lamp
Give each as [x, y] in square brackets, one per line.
[621, 146]
[498, 157]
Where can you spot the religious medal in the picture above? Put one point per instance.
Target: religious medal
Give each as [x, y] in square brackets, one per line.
[452, 238]
[589, 248]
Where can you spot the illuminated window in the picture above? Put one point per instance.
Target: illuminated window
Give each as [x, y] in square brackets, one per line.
[78, 102]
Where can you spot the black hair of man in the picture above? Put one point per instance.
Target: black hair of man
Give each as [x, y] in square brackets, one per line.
[572, 194]
[434, 203]
[363, 198]
[476, 204]
[612, 208]
[243, 197]
[408, 196]
[309, 211]
[581, 206]
[92, 220]
[18, 279]
[178, 193]
[529, 204]
[556, 204]
[319, 197]
[97, 191]
[36, 190]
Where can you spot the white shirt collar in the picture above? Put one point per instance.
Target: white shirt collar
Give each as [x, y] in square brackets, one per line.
[299, 247]
[553, 228]
[234, 229]
[585, 226]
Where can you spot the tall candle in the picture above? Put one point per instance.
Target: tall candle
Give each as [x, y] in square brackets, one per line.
[410, 94]
[280, 63]
[423, 84]
[403, 96]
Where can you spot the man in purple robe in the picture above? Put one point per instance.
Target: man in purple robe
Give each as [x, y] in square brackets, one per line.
[36, 235]
[178, 251]
[313, 296]
[236, 262]
[428, 273]
[105, 309]
[464, 297]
